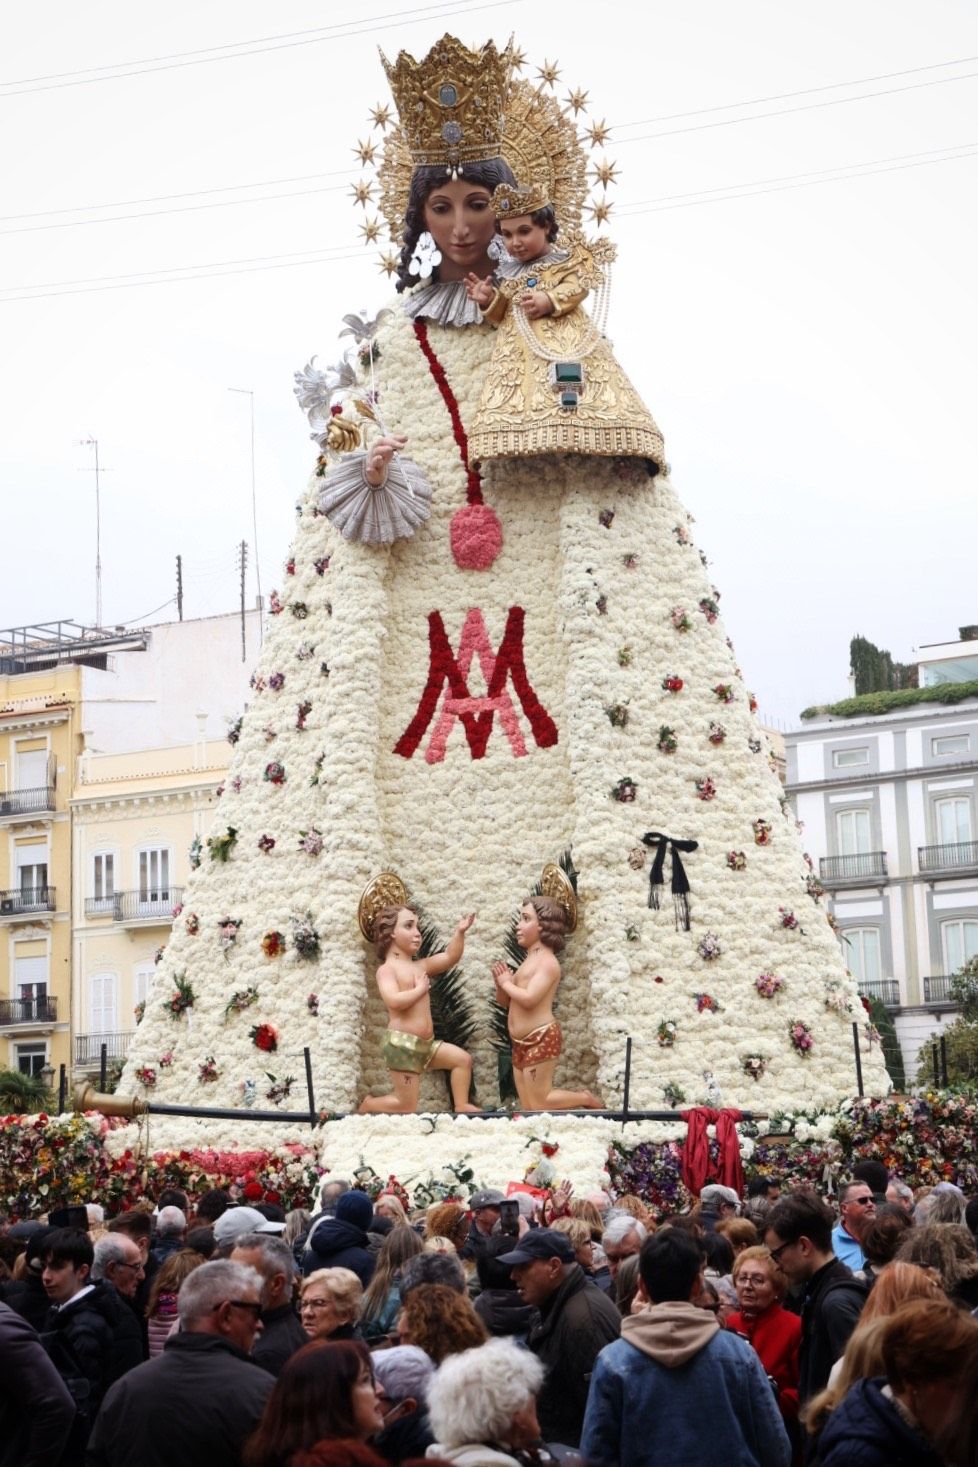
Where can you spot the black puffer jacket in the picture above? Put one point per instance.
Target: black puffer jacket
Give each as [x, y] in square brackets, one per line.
[867, 1430]
[337, 1244]
[575, 1325]
[92, 1341]
[28, 1298]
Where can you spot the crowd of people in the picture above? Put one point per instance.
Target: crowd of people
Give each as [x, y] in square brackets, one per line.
[772, 1330]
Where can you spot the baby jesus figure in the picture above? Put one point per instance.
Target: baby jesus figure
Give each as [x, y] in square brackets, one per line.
[553, 385]
[528, 994]
[410, 1047]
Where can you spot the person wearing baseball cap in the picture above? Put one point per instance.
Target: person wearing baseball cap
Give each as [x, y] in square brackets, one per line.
[236, 1221]
[484, 1207]
[576, 1322]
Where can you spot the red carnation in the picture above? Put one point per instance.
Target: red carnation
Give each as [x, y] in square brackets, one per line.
[253, 1191]
[264, 1037]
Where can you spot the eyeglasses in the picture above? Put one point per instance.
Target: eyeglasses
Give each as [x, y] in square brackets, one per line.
[860, 1201]
[756, 1280]
[777, 1252]
[315, 1304]
[136, 1267]
[252, 1305]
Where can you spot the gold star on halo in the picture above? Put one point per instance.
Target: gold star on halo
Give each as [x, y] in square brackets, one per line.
[370, 230]
[577, 100]
[389, 262]
[605, 173]
[380, 116]
[548, 73]
[599, 212]
[518, 60]
[599, 133]
[363, 192]
[366, 152]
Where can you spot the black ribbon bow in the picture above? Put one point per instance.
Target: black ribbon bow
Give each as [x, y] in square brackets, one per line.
[680, 881]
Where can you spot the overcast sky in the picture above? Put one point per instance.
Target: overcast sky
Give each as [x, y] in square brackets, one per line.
[807, 347]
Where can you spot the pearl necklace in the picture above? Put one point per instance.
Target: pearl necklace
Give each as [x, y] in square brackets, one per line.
[593, 333]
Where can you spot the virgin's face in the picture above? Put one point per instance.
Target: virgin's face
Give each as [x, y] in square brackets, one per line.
[459, 217]
[528, 926]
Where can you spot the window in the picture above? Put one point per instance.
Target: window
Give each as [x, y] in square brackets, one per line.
[959, 941]
[103, 878]
[141, 979]
[33, 883]
[32, 769]
[861, 951]
[31, 978]
[854, 833]
[102, 1003]
[950, 744]
[154, 878]
[952, 821]
[848, 758]
[31, 1058]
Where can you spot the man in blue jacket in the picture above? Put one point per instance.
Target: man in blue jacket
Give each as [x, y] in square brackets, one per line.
[676, 1388]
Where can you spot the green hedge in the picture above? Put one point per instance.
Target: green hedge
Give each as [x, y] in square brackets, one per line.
[868, 705]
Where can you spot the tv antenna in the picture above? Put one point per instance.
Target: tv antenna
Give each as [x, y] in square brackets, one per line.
[97, 470]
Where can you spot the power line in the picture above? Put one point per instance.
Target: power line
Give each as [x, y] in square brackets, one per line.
[177, 279]
[183, 209]
[341, 31]
[859, 81]
[803, 183]
[952, 150]
[675, 132]
[296, 255]
[228, 188]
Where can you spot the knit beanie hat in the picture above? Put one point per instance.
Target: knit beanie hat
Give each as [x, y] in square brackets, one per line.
[356, 1208]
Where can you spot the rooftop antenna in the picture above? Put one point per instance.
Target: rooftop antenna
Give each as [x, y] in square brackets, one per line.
[249, 394]
[97, 470]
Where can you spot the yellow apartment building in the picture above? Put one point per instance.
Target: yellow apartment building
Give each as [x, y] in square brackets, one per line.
[134, 818]
[112, 746]
[39, 743]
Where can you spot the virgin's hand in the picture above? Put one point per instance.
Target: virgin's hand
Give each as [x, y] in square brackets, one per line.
[379, 455]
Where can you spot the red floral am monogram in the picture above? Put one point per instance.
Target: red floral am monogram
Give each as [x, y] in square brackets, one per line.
[449, 671]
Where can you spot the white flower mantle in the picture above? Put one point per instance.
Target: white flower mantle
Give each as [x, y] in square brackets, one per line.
[599, 593]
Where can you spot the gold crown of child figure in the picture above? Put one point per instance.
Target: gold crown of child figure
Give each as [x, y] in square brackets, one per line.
[526, 198]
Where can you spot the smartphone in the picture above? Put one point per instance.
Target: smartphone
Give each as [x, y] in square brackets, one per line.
[509, 1217]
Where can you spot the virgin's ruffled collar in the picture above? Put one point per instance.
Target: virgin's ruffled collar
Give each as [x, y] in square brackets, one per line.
[442, 301]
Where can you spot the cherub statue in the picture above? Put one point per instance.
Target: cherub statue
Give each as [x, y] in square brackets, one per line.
[410, 1047]
[528, 994]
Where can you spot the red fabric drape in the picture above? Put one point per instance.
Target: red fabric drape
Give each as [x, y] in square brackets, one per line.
[696, 1152]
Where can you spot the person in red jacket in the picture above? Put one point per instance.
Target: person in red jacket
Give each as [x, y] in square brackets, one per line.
[773, 1330]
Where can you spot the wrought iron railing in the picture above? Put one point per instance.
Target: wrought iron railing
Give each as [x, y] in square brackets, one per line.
[27, 802]
[962, 853]
[146, 906]
[88, 1048]
[887, 990]
[21, 899]
[28, 1011]
[938, 989]
[866, 866]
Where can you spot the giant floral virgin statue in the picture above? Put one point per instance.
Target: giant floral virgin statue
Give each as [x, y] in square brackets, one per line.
[476, 667]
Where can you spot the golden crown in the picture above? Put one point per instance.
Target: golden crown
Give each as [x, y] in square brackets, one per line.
[509, 202]
[451, 103]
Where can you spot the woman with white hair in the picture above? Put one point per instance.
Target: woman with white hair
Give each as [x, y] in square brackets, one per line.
[482, 1405]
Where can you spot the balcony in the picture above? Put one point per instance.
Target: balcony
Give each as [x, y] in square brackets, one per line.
[26, 804]
[868, 868]
[28, 1011]
[960, 859]
[27, 901]
[887, 990]
[137, 908]
[937, 991]
[88, 1049]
